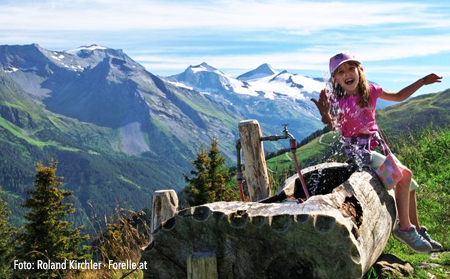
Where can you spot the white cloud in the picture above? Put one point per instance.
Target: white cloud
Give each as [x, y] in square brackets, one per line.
[168, 36]
[408, 72]
[399, 47]
[314, 58]
[300, 17]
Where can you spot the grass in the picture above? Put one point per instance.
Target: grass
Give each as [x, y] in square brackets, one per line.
[16, 131]
[106, 274]
[130, 182]
[118, 239]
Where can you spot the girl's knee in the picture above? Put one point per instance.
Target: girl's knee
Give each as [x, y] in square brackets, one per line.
[405, 182]
[407, 174]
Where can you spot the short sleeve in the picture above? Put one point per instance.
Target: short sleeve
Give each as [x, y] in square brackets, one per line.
[375, 92]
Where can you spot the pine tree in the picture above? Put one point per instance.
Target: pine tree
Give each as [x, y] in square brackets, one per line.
[5, 240]
[210, 180]
[48, 236]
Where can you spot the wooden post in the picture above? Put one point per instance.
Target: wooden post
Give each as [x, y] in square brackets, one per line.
[202, 266]
[255, 161]
[164, 207]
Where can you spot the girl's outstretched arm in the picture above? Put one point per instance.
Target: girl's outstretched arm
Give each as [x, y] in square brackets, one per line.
[409, 90]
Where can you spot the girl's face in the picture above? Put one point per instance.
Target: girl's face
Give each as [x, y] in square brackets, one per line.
[347, 76]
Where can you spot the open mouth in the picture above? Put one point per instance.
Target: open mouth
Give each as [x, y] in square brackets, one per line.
[349, 81]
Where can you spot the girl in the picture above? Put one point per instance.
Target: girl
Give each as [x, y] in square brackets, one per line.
[353, 102]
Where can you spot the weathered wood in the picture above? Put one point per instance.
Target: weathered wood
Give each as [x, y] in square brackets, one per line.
[164, 207]
[377, 211]
[202, 266]
[339, 233]
[257, 178]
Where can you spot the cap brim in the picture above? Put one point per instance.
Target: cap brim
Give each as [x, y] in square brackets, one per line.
[345, 61]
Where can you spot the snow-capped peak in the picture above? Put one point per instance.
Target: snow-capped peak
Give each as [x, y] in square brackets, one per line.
[263, 81]
[206, 78]
[84, 48]
[204, 67]
[262, 71]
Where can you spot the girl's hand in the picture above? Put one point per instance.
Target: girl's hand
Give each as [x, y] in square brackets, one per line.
[323, 105]
[431, 78]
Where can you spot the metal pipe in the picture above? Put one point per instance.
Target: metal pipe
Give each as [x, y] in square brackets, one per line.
[285, 135]
[297, 167]
[239, 175]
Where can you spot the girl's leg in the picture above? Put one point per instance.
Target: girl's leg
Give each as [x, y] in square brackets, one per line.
[402, 198]
[404, 231]
[406, 205]
[436, 246]
[413, 209]
[406, 208]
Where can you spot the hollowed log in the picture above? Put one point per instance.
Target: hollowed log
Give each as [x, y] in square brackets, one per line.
[337, 233]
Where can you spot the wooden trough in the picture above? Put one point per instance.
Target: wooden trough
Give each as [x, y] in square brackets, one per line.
[337, 233]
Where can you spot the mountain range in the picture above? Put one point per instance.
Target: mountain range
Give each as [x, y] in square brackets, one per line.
[120, 132]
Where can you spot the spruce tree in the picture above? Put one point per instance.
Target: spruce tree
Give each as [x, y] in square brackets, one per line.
[210, 180]
[220, 175]
[48, 235]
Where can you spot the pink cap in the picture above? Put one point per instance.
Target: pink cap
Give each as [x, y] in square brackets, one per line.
[341, 58]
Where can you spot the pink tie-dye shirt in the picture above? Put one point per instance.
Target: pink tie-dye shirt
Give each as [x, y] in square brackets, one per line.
[354, 121]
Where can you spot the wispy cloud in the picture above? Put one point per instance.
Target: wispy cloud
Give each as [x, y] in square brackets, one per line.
[169, 35]
[312, 57]
[297, 16]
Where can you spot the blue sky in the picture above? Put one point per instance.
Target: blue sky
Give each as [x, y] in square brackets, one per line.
[397, 42]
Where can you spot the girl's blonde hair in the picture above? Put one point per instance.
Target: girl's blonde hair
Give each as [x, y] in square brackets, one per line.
[363, 86]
